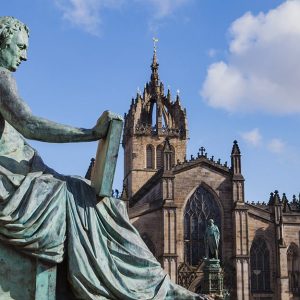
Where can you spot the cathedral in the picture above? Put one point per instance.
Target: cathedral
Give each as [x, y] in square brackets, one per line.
[172, 197]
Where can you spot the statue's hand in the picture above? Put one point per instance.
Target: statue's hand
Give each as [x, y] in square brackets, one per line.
[102, 125]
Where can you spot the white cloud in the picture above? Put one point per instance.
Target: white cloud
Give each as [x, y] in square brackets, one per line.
[255, 139]
[276, 146]
[212, 52]
[263, 67]
[252, 137]
[164, 8]
[86, 13]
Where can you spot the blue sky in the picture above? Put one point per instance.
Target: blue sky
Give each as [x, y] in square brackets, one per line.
[236, 64]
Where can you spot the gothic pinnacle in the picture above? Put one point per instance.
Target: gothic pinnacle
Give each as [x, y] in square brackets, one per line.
[154, 66]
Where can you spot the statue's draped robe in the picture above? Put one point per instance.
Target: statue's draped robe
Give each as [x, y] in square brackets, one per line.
[45, 214]
[212, 237]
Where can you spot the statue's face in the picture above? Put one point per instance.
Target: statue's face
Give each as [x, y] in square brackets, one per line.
[15, 52]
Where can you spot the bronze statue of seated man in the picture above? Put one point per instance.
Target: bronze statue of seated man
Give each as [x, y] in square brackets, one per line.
[45, 215]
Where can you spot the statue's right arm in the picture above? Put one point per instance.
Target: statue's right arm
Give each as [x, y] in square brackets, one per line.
[16, 112]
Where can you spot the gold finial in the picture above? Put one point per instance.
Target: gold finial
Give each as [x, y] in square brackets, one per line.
[155, 40]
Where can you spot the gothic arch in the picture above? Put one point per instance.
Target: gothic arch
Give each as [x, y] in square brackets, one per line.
[150, 154]
[154, 107]
[216, 198]
[152, 113]
[260, 265]
[210, 190]
[165, 117]
[199, 208]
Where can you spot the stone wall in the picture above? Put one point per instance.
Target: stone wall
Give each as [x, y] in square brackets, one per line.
[151, 224]
[136, 173]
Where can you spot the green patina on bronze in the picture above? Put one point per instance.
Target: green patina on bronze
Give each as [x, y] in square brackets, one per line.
[213, 273]
[212, 240]
[45, 215]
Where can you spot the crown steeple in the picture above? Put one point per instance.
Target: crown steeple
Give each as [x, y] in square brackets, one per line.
[155, 131]
[154, 113]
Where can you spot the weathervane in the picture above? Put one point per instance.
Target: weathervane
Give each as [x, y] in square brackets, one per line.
[155, 40]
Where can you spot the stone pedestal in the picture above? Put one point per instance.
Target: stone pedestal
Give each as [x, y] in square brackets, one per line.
[213, 278]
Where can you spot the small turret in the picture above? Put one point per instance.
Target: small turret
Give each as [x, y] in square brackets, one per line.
[237, 177]
[88, 174]
[167, 154]
[236, 159]
[277, 200]
[271, 199]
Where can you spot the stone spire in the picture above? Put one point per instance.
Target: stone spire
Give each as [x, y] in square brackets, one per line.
[154, 68]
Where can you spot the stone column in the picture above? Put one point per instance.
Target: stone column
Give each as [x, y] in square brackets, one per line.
[282, 279]
[169, 226]
[240, 223]
[241, 252]
[170, 251]
[282, 286]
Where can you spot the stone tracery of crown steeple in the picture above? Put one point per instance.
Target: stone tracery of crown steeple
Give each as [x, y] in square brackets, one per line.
[154, 113]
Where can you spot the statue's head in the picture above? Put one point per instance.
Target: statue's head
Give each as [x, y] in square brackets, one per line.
[13, 43]
[210, 222]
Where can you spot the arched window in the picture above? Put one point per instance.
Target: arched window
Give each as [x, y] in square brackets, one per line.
[260, 266]
[150, 157]
[199, 209]
[293, 270]
[159, 156]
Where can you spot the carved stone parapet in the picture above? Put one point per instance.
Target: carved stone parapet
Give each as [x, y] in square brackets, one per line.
[148, 129]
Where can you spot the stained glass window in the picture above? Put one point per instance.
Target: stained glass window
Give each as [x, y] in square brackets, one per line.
[260, 266]
[199, 209]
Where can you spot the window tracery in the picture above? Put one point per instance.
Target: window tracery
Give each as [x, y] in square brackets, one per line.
[199, 209]
[260, 266]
